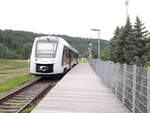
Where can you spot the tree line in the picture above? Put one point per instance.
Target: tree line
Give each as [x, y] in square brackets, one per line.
[18, 44]
[130, 44]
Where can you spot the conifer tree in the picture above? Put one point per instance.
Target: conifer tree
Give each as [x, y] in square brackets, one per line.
[113, 44]
[129, 43]
[140, 43]
[125, 32]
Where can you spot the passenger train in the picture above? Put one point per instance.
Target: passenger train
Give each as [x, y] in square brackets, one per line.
[52, 55]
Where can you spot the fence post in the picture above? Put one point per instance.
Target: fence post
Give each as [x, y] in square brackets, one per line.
[124, 82]
[148, 91]
[116, 78]
[134, 88]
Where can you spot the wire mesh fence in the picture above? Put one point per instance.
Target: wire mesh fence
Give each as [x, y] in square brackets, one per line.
[131, 84]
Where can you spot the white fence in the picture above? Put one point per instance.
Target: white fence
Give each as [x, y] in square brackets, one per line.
[131, 84]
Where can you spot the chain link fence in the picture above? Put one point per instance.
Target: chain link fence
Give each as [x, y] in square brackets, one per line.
[131, 84]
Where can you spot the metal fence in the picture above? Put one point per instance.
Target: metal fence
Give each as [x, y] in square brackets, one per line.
[131, 84]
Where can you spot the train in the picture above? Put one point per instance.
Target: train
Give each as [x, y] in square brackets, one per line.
[52, 55]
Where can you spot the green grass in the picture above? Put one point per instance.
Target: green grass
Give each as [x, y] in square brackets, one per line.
[13, 73]
[1, 111]
[13, 64]
[29, 109]
[13, 82]
[82, 61]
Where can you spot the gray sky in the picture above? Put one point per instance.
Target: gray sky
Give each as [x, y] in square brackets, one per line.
[71, 17]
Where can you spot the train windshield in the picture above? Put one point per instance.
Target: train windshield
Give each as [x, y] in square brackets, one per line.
[46, 49]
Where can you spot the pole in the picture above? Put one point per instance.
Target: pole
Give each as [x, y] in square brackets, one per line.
[99, 45]
[98, 42]
[127, 4]
[90, 51]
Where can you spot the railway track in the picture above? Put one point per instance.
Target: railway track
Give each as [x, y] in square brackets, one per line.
[18, 100]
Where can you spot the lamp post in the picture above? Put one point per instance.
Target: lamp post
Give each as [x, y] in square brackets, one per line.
[90, 51]
[98, 30]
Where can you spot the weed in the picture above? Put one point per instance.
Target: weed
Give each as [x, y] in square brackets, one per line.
[13, 82]
[13, 64]
[1, 111]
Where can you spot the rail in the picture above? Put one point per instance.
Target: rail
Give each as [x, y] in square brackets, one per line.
[131, 84]
[18, 100]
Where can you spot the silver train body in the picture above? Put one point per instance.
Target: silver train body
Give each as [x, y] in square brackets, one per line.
[51, 55]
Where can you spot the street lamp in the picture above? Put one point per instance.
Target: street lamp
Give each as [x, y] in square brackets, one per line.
[90, 51]
[98, 30]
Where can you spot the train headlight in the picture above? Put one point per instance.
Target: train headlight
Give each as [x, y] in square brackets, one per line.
[43, 68]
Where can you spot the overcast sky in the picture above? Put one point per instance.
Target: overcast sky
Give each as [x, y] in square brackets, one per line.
[71, 17]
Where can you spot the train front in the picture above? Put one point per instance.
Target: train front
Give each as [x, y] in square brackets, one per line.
[44, 60]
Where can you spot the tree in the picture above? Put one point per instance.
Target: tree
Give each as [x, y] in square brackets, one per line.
[129, 43]
[121, 47]
[140, 43]
[105, 55]
[113, 55]
[3, 51]
[26, 50]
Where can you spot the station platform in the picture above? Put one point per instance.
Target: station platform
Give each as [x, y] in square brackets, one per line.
[80, 91]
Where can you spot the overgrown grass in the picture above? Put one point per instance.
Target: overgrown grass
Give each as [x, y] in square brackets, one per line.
[13, 73]
[1, 111]
[13, 64]
[82, 61]
[13, 82]
[32, 106]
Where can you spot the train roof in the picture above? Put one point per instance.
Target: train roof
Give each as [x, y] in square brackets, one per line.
[54, 38]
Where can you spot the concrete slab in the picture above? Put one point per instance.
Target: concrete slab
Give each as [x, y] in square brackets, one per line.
[80, 91]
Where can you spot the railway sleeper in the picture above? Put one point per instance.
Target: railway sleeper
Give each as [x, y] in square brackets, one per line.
[33, 91]
[28, 93]
[16, 98]
[9, 107]
[10, 110]
[12, 104]
[16, 101]
[25, 96]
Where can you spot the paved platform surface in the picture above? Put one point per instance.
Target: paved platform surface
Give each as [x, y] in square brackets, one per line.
[80, 91]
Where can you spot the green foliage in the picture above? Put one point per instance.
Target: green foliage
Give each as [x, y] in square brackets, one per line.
[13, 44]
[113, 46]
[3, 51]
[130, 44]
[105, 54]
[18, 44]
[13, 82]
[82, 44]
[13, 64]
[140, 46]
[1, 111]
[28, 110]
[26, 50]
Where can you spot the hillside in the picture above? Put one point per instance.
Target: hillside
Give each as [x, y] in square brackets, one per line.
[18, 44]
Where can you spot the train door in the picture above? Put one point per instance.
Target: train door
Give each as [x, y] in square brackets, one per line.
[65, 58]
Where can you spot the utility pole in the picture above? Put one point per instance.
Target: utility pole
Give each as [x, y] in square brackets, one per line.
[90, 51]
[98, 41]
[127, 8]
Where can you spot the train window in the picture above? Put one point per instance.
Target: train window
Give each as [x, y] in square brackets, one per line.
[45, 49]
